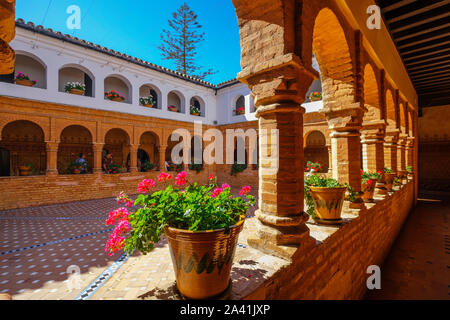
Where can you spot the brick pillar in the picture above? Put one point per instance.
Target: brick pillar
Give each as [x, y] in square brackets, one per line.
[281, 229]
[52, 158]
[410, 152]
[372, 140]
[390, 149]
[401, 154]
[98, 157]
[133, 157]
[345, 125]
[162, 157]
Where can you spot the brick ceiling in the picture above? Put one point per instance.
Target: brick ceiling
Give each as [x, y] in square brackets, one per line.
[421, 32]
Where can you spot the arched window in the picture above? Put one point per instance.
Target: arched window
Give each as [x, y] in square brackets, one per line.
[31, 67]
[72, 75]
[118, 89]
[150, 91]
[239, 107]
[197, 106]
[175, 102]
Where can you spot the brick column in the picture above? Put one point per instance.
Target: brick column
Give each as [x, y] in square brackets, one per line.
[162, 157]
[401, 153]
[410, 152]
[390, 149]
[98, 157]
[345, 125]
[133, 157]
[52, 158]
[281, 229]
[372, 140]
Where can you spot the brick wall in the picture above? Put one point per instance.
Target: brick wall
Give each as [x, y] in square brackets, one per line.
[20, 192]
[336, 268]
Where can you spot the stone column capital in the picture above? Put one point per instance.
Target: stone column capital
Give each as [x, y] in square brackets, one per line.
[52, 146]
[98, 146]
[134, 147]
[348, 119]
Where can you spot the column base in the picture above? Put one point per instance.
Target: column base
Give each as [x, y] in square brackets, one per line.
[51, 173]
[282, 242]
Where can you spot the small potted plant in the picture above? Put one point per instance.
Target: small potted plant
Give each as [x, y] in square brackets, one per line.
[315, 96]
[147, 101]
[195, 111]
[172, 108]
[239, 111]
[237, 168]
[75, 88]
[389, 177]
[25, 170]
[313, 167]
[324, 198]
[369, 181]
[24, 80]
[196, 167]
[201, 223]
[147, 166]
[410, 173]
[114, 96]
[113, 169]
[77, 167]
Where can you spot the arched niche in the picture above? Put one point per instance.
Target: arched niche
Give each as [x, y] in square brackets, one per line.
[198, 103]
[176, 99]
[76, 73]
[120, 85]
[238, 104]
[30, 64]
[147, 90]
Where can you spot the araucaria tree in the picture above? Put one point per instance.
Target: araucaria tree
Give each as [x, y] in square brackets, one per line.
[180, 42]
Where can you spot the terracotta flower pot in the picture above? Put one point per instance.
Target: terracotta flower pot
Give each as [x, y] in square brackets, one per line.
[389, 179]
[202, 260]
[27, 83]
[24, 171]
[368, 192]
[328, 204]
[315, 98]
[77, 92]
[173, 109]
[116, 99]
[149, 105]
[196, 114]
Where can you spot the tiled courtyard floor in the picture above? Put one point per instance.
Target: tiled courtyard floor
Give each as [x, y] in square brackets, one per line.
[418, 266]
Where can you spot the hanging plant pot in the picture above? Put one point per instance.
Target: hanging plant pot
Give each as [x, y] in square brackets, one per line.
[27, 83]
[202, 260]
[328, 204]
[77, 92]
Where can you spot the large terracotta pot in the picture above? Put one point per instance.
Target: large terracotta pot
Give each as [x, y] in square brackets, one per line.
[202, 260]
[173, 109]
[196, 114]
[27, 83]
[149, 105]
[315, 98]
[24, 171]
[328, 203]
[77, 92]
[389, 178]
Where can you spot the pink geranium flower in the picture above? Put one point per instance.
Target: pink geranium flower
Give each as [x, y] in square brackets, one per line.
[145, 185]
[216, 192]
[225, 185]
[181, 179]
[245, 190]
[119, 214]
[164, 177]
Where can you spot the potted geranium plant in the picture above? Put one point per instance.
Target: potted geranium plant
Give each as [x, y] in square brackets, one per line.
[369, 181]
[25, 170]
[239, 111]
[147, 166]
[77, 167]
[324, 198]
[114, 96]
[389, 177]
[195, 111]
[147, 101]
[201, 222]
[75, 88]
[173, 108]
[24, 80]
[113, 169]
[315, 96]
[313, 167]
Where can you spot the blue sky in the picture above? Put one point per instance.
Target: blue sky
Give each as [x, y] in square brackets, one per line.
[134, 28]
